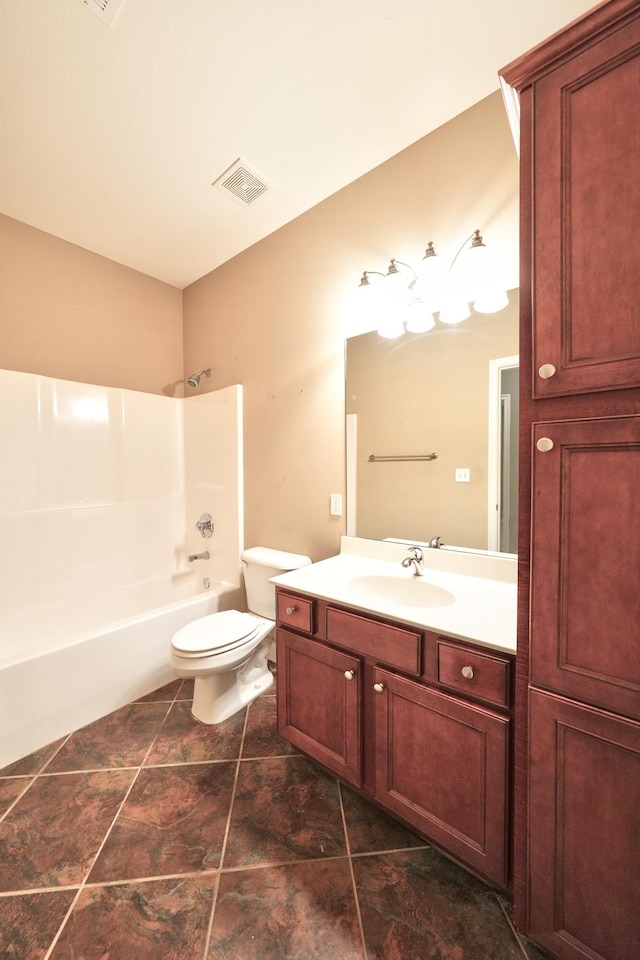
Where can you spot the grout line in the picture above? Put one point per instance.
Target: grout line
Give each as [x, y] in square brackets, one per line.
[512, 928]
[356, 899]
[223, 849]
[104, 839]
[32, 779]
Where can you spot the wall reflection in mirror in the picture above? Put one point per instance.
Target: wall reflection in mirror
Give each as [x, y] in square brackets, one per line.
[452, 391]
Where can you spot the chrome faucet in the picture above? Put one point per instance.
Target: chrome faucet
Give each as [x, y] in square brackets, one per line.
[415, 560]
[435, 543]
[198, 556]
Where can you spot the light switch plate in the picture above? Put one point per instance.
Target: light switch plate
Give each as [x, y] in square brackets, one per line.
[463, 474]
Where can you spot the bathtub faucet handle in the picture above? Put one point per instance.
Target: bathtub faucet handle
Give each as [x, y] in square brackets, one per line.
[205, 525]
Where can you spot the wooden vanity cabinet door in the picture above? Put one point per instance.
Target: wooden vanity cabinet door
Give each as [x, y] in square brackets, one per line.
[319, 703]
[442, 765]
[586, 268]
[584, 839]
[585, 598]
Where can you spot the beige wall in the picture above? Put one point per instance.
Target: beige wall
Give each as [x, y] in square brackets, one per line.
[275, 317]
[71, 314]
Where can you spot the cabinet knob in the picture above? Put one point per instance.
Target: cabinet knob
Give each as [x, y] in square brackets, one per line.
[349, 674]
[378, 687]
[467, 673]
[290, 610]
[546, 371]
[544, 444]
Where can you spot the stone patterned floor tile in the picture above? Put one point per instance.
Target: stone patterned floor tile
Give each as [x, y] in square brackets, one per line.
[302, 911]
[10, 790]
[371, 830]
[52, 834]
[173, 821]
[164, 694]
[285, 808]
[120, 739]
[153, 920]
[420, 904]
[186, 691]
[261, 736]
[33, 763]
[183, 739]
[30, 921]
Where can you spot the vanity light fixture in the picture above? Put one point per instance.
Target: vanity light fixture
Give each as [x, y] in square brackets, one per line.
[407, 300]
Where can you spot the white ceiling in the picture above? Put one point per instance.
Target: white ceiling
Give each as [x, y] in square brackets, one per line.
[112, 136]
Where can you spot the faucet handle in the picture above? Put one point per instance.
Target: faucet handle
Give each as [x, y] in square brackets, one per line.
[416, 552]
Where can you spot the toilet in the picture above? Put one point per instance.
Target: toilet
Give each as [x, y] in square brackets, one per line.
[226, 653]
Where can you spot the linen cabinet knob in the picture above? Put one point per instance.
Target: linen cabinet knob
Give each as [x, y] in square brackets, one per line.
[290, 610]
[544, 444]
[378, 687]
[467, 673]
[349, 674]
[546, 371]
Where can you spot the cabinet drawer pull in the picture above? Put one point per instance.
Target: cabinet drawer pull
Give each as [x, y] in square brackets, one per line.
[378, 687]
[467, 673]
[544, 444]
[290, 610]
[349, 674]
[546, 371]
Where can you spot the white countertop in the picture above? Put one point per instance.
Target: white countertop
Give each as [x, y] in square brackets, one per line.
[467, 595]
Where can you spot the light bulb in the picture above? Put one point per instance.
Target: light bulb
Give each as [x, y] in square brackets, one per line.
[490, 300]
[454, 309]
[390, 328]
[430, 280]
[419, 319]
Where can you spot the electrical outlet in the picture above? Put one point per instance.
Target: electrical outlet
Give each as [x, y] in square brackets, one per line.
[335, 505]
[463, 474]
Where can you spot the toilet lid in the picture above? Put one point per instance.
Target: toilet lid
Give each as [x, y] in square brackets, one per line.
[217, 632]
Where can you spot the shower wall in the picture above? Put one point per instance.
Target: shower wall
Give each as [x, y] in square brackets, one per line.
[100, 490]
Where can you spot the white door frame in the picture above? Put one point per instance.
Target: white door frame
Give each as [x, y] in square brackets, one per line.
[493, 472]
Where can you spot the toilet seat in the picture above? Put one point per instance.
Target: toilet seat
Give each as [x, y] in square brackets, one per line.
[216, 633]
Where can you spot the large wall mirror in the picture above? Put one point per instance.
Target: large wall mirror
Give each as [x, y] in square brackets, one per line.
[454, 392]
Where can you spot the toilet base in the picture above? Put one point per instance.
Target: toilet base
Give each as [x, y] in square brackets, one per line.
[220, 695]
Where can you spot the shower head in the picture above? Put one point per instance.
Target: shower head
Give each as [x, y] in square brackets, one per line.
[194, 380]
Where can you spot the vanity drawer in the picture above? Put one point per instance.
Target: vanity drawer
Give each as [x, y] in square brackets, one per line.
[474, 674]
[296, 612]
[380, 641]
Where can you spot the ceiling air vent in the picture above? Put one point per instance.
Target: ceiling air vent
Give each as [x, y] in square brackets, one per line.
[105, 10]
[241, 183]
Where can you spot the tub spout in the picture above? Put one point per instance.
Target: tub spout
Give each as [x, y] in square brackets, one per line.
[198, 556]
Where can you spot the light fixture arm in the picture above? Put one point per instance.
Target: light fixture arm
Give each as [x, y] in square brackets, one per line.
[476, 242]
[364, 279]
[393, 269]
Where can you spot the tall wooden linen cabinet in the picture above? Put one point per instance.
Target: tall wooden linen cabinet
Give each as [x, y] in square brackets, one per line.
[577, 790]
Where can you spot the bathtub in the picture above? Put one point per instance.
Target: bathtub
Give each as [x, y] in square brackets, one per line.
[55, 678]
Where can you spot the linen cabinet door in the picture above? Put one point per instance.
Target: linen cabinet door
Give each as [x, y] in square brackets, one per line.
[586, 270]
[442, 766]
[584, 837]
[585, 585]
[319, 703]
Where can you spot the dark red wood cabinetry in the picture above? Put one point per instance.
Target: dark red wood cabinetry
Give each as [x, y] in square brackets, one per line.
[577, 783]
[368, 699]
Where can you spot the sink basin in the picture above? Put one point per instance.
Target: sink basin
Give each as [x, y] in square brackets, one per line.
[405, 591]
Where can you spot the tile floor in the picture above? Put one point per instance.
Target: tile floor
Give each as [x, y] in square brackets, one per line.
[149, 836]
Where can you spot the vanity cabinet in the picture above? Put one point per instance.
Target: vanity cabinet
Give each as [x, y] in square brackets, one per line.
[379, 704]
[577, 764]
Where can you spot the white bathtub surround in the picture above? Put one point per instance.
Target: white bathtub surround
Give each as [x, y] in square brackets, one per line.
[100, 490]
[463, 594]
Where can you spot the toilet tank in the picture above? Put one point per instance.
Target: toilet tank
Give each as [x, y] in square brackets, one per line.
[260, 564]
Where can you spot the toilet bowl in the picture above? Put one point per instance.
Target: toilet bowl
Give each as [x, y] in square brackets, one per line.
[226, 653]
